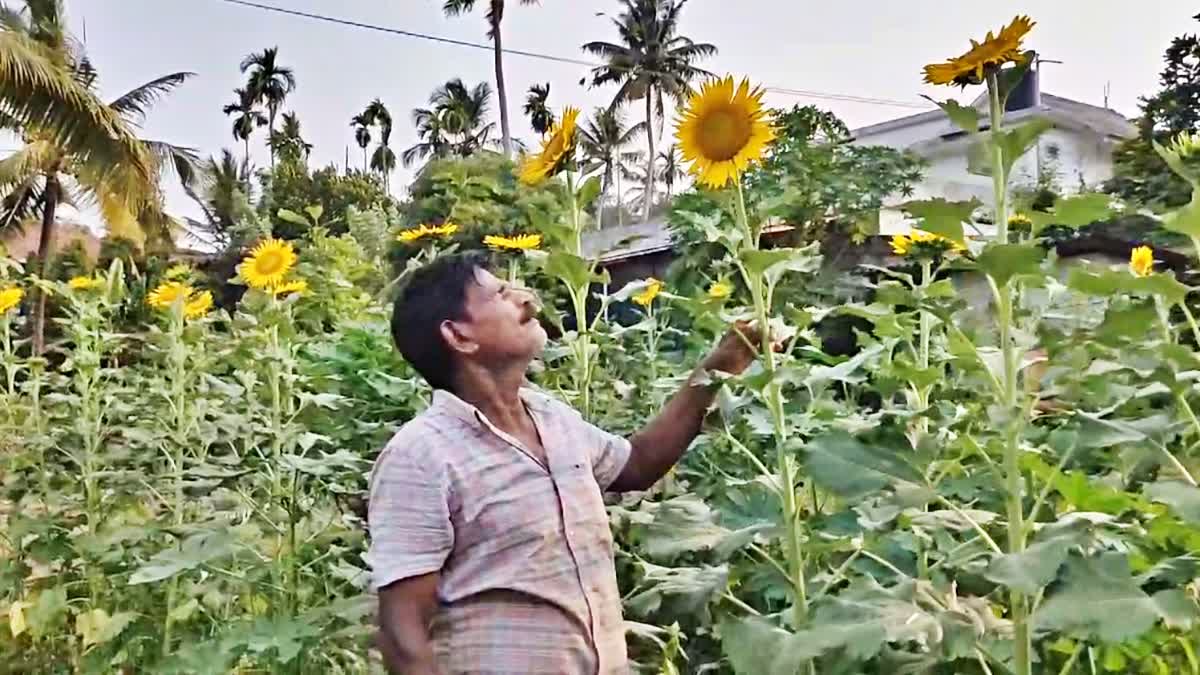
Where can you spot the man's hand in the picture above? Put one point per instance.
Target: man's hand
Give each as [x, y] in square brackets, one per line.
[736, 351]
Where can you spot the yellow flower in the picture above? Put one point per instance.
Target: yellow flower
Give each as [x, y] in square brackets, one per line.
[992, 53]
[167, 293]
[10, 298]
[268, 264]
[195, 305]
[1141, 261]
[297, 286]
[1181, 154]
[81, 283]
[520, 242]
[647, 295]
[177, 271]
[723, 130]
[557, 148]
[720, 290]
[422, 231]
[1020, 221]
[198, 305]
[919, 241]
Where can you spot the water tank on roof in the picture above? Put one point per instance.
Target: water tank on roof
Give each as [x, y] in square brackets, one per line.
[1026, 94]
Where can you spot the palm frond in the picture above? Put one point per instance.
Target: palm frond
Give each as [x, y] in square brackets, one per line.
[47, 102]
[135, 103]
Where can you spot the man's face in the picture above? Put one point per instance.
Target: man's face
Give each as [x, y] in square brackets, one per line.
[500, 321]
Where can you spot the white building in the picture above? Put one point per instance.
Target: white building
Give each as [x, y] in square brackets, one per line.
[1077, 151]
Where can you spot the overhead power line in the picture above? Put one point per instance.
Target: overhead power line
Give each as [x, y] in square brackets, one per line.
[803, 93]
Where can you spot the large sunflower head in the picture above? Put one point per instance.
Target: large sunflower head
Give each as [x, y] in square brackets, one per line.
[198, 305]
[297, 286]
[167, 293]
[649, 293]
[992, 53]
[82, 283]
[10, 298]
[267, 264]
[558, 148]
[723, 130]
[924, 244]
[423, 231]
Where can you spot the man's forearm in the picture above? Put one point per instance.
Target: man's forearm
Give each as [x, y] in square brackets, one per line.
[660, 444]
[415, 657]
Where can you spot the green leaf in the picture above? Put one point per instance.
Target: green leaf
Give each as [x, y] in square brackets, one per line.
[964, 117]
[285, 636]
[751, 644]
[1186, 219]
[1002, 262]
[771, 264]
[572, 270]
[289, 216]
[46, 612]
[942, 217]
[680, 525]
[1031, 569]
[1106, 282]
[861, 640]
[1018, 140]
[315, 212]
[841, 464]
[678, 590]
[846, 371]
[1098, 598]
[1182, 498]
[193, 552]
[1178, 611]
[588, 192]
[1075, 211]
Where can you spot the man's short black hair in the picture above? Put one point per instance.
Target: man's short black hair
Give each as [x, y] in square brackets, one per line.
[434, 293]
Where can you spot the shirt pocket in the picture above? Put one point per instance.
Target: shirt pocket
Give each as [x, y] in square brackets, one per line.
[583, 503]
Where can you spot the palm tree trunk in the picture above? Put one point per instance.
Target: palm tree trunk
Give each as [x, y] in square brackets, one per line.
[271, 135]
[620, 200]
[501, 91]
[650, 162]
[246, 162]
[45, 243]
[366, 166]
[604, 181]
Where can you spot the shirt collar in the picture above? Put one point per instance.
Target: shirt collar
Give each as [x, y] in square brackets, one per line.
[445, 401]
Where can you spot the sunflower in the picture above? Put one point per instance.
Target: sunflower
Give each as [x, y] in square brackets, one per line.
[558, 147]
[167, 293]
[268, 264]
[720, 290]
[299, 286]
[723, 130]
[198, 305]
[82, 283]
[647, 295]
[520, 242]
[992, 53]
[923, 242]
[1141, 261]
[422, 231]
[10, 298]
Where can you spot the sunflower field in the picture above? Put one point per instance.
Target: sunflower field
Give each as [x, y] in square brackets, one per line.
[1009, 488]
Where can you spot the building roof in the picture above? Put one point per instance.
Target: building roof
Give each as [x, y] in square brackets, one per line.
[1064, 111]
[613, 244]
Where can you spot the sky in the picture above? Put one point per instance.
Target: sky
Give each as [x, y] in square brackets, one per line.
[860, 48]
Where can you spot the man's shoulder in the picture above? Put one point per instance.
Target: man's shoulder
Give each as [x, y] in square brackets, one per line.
[419, 441]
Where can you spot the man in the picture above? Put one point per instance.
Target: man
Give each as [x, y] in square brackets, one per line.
[490, 544]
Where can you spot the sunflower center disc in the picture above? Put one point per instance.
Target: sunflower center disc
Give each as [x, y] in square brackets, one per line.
[724, 132]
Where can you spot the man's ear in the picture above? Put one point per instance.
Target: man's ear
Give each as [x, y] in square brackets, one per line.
[457, 339]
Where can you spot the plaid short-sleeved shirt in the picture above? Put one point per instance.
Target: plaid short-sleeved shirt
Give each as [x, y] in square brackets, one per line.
[524, 550]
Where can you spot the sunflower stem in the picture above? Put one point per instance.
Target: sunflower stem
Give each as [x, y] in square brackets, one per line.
[1023, 647]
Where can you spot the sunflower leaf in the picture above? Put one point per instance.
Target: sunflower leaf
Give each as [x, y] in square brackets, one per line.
[572, 270]
[1098, 597]
[588, 192]
[1075, 211]
[1105, 282]
[941, 217]
[851, 469]
[1183, 499]
[964, 117]
[1002, 262]
[1017, 141]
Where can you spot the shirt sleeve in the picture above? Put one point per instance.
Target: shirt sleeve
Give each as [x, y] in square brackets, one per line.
[610, 453]
[408, 515]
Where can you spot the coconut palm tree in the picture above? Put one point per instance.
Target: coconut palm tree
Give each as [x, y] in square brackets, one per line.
[495, 16]
[603, 140]
[223, 197]
[41, 95]
[455, 123]
[541, 118]
[362, 135]
[670, 169]
[270, 83]
[45, 173]
[247, 118]
[651, 61]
